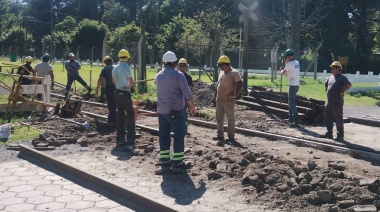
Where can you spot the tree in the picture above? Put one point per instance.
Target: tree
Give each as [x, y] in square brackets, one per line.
[125, 37]
[16, 37]
[273, 25]
[115, 14]
[89, 33]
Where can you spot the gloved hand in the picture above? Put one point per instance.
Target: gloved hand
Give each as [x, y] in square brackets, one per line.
[96, 92]
[132, 89]
[52, 86]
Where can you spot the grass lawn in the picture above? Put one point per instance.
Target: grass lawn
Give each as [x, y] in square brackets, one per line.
[309, 88]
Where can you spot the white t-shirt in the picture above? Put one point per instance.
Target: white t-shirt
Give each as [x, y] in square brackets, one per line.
[293, 71]
[43, 68]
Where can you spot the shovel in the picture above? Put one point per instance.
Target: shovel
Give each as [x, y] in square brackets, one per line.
[84, 125]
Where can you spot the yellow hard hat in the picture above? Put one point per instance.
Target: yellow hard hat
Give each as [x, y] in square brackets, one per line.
[223, 59]
[29, 59]
[182, 60]
[124, 54]
[336, 63]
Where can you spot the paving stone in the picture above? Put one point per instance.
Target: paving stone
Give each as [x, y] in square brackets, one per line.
[13, 183]
[6, 194]
[39, 200]
[80, 205]
[48, 187]
[94, 197]
[120, 209]
[58, 193]
[50, 206]
[94, 209]
[20, 207]
[23, 174]
[12, 200]
[106, 204]
[22, 188]
[27, 194]
[69, 198]
[66, 210]
[39, 182]
[31, 177]
[8, 179]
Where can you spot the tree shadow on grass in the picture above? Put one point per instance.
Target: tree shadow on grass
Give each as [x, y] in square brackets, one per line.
[370, 94]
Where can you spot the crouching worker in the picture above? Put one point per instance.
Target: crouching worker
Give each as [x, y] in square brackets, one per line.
[172, 92]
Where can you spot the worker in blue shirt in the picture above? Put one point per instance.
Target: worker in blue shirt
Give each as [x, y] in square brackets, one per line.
[172, 92]
[72, 67]
[124, 84]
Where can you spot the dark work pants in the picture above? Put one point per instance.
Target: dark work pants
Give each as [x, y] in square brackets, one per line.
[125, 118]
[71, 79]
[334, 111]
[111, 104]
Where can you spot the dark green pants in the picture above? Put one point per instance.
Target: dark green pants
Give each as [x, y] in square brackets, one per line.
[125, 118]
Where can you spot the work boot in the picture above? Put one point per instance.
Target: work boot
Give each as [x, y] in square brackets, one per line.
[327, 135]
[181, 168]
[297, 120]
[340, 137]
[290, 119]
[164, 168]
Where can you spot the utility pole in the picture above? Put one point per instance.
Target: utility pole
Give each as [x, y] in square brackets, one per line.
[247, 14]
[296, 24]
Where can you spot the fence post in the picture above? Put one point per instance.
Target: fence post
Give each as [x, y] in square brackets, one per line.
[47, 84]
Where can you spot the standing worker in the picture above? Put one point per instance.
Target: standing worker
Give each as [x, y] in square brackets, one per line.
[106, 76]
[335, 86]
[182, 64]
[228, 89]
[44, 68]
[72, 67]
[172, 92]
[124, 84]
[292, 70]
[26, 70]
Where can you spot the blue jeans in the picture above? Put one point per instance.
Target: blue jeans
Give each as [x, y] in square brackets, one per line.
[174, 121]
[292, 100]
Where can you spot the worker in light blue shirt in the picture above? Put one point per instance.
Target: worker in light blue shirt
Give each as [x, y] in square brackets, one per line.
[172, 92]
[123, 80]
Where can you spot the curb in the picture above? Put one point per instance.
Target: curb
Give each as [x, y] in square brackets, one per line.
[112, 191]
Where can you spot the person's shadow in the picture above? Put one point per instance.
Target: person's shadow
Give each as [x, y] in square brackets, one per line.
[348, 144]
[182, 188]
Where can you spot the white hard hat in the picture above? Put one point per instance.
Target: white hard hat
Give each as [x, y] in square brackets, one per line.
[71, 55]
[169, 57]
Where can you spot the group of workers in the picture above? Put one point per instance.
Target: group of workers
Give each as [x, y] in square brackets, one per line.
[175, 91]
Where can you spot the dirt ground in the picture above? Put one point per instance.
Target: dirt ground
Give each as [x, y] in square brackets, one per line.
[276, 174]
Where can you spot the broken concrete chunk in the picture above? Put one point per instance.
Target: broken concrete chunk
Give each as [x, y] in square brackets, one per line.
[326, 196]
[368, 181]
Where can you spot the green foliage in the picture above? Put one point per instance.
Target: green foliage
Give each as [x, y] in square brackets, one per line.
[170, 32]
[15, 37]
[88, 9]
[115, 13]
[67, 25]
[125, 37]
[90, 33]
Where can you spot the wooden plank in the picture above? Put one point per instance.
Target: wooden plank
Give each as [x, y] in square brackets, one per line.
[278, 111]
